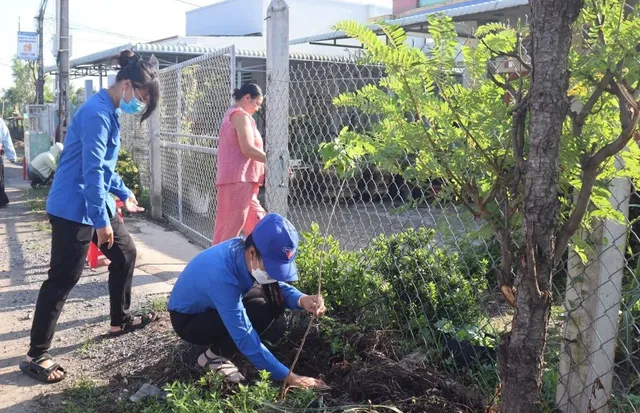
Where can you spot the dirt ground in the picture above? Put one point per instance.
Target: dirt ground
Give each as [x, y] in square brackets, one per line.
[24, 257]
[117, 368]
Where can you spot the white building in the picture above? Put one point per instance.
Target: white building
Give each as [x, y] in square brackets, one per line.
[239, 23]
[246, 18]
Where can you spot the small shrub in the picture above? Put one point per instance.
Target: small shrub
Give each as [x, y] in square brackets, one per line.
[346, 287]
[468, 333]
[156, 304]
[479, 256]
[626, 403]
[128, 171]
[425, 281]
[398, 281]
[144, 200]
[485, 378]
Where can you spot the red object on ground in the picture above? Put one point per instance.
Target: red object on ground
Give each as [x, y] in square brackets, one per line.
[95, 256]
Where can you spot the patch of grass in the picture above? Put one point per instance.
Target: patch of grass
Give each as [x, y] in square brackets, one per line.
[156, 304]
[207, 395]
[42, 226]
[86, 347]
[212, 394]
[85, 396]
[37, 199]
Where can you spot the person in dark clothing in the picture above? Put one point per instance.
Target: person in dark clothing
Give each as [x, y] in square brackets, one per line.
[81, 211]
[232, 296]
[4, 199]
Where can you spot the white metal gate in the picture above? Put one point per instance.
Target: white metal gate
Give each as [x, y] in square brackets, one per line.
[195, 96]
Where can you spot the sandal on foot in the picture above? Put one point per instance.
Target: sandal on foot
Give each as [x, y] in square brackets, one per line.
[129, 327]
[224, 367]
[35, 370]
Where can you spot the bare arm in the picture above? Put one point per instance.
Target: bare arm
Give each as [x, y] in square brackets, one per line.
[243, 127]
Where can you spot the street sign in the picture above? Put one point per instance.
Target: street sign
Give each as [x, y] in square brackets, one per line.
[28, 46]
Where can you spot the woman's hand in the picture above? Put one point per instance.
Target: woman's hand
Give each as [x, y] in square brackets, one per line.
[132, 205]
[306, 382]
[313, 304]
[105, 236]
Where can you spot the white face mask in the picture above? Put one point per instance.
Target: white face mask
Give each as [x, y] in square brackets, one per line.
[262, 277]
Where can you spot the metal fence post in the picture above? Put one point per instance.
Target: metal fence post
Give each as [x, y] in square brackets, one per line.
[592, 303]
[277, 139]
[88, 89]
[233, 73]
[155, 160]
[179, 138]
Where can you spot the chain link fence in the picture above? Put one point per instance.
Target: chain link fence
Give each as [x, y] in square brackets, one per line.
[195, 97]
[399, 256]
[135, 140]
[398, 243]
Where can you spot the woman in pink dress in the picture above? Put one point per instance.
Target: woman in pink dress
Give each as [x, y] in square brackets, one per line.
[241, 160]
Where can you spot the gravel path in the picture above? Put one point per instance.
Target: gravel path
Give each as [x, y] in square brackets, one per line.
[24, 257]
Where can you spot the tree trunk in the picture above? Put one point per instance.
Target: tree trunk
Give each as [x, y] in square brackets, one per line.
[521, 351]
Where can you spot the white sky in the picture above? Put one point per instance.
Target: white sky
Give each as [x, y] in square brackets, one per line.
[98, 25]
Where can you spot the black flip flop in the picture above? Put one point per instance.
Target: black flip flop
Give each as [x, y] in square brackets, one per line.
[36, 371]
[129, 327]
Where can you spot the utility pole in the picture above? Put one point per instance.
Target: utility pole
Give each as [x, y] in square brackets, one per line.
[63, 68]
[40, 85]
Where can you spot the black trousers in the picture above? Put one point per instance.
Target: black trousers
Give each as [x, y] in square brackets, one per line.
[4, 199]
[69, 248]
[37, 179]
[208, 329]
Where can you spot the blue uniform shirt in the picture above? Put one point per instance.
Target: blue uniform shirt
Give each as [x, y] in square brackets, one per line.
[86, 168]
[218, 278]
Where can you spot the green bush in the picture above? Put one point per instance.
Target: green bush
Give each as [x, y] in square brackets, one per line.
[479, 254]
[128, 171]
[426, 281]
[346, 286]
[398, 281]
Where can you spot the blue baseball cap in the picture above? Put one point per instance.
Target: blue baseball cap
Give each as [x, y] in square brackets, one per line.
[277, 241]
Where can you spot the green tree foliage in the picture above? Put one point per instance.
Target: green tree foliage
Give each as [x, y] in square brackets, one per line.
[476, 140]
[23, 91]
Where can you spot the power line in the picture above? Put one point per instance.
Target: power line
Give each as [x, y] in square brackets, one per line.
[80, 27]
[186, 2]
[82, 39]
[43, 7]
[91, 29]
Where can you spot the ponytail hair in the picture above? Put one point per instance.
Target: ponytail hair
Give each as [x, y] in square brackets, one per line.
[250, 89]
[143, 75]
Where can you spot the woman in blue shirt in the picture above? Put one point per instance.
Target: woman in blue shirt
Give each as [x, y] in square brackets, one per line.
[233, 295]
[81, 210]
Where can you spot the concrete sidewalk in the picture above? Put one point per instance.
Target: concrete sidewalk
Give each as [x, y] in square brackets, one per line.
[162, 252]
[25, 239]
